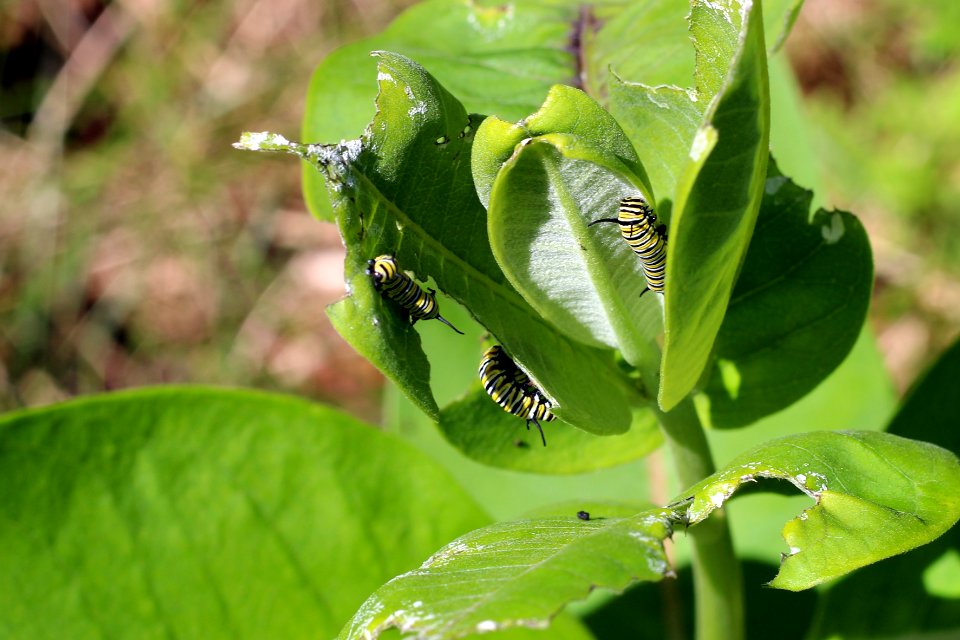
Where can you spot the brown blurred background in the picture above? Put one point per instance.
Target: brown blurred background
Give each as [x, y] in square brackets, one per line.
[137, 247]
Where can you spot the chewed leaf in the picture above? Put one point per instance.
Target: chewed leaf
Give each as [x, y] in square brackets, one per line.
[516, 574]
[820, 269]
[405, 188]
[877, 495]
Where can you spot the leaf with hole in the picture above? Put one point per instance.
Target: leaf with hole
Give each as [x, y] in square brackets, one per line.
[877, 495]
[822, 270]
[405, 189]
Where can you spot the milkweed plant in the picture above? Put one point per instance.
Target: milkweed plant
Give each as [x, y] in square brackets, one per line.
[466, 155]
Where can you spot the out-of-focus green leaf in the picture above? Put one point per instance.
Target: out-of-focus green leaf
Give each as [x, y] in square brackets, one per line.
[641, 40]
[931, 410]
[516, 574]
[545, 179]
[919, 594]
[208, 513]
[497, 59]
[483, 431]
[778, 19]
[877, 495]
[821, 269]
[405, 188]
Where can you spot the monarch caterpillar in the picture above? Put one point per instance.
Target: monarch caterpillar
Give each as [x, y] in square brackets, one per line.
[637, 220]
[398, 286]
[513, 390]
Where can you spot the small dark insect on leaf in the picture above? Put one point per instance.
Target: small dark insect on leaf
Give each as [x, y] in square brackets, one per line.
[520, 444]
[583, 515]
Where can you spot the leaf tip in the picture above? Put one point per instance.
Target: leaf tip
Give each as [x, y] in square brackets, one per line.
[261, 141]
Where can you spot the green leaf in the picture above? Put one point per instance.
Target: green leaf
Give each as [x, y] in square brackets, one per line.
[920, 593]
[705, 150]
[496, 59]
[516, 574]
[877, 495]
[405, 188]
[547, 178]
[483, 431]
[644, 40]
[209, 513]
[821, 269]
[717, 200]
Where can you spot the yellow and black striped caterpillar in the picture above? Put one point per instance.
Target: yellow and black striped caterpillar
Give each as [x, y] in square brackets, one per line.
[513, 390]
[637, 226]
[388, 279]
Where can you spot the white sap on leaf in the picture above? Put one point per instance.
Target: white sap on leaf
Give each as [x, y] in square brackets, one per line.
[419, 106]
[442, 557]
[383, 76]
[487, 625]
[794, 550]
[701, 144]
[723, 8]
[834, 231]
[719, 497]
[257, 140]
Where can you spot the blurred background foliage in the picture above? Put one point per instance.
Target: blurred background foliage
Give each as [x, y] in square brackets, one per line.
[137, 247]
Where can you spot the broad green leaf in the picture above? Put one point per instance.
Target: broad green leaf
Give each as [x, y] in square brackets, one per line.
[483, 431]
[821, 269]
[208, 513]
[495, 58]
[877, 495]
[516, 574]
[705, 151]
[920, 593]
[716, 204]
[405, 188]
[548, 177]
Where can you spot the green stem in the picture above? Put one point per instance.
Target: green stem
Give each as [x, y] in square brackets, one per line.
[718, 581]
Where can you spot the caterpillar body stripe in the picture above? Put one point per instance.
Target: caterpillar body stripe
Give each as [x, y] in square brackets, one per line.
[390, 281]
[513, 390]
[638, 227]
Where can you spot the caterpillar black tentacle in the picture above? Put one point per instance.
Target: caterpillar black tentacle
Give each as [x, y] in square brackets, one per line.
[389, 280]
